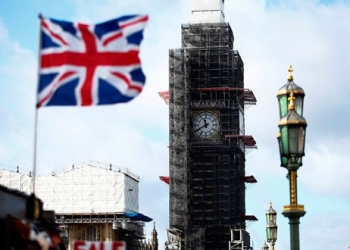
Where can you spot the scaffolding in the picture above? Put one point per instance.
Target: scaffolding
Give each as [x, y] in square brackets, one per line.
[90, 188]
[207, 176]
[93, 195]
[240, 240]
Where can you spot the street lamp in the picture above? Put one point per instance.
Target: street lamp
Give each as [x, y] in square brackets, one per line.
[284, 92]
[271, 227]
[291, 140]
[283, 96]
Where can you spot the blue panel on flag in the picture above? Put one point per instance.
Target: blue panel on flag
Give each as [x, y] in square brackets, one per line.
[63, 95]
[108, 94]
[137, 75]
[46, 41]
[45, 80]
[66, 26]
[135, 38]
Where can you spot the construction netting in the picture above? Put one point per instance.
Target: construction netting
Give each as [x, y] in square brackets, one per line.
[86, 189]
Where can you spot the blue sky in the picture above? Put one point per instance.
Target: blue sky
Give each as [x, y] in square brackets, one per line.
[270, 3]
[313, 36]
[21, 28]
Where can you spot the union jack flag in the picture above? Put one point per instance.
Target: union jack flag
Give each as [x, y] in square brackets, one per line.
[90, 64]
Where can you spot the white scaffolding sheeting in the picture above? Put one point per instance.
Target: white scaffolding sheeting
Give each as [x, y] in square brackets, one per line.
[207, 11]
[15, 180]
[87, 189]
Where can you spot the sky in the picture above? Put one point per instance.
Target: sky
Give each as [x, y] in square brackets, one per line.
[313, 36]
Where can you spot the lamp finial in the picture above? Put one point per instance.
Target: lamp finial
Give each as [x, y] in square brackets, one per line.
[290, 73]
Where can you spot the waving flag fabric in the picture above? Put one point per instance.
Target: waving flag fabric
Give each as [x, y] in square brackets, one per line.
[90, 64]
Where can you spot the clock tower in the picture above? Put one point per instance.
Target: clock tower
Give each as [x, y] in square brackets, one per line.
[207, 140]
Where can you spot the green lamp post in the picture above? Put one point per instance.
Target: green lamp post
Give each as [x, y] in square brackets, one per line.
[291, 141]
[271, 227]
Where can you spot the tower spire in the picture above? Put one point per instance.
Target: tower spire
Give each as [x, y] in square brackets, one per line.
[154, 240]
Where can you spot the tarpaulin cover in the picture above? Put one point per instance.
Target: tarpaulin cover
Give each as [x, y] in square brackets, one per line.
[85, 189]
[137, 216]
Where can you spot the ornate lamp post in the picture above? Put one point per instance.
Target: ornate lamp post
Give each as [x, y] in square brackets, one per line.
[291, 140]
[271, 227]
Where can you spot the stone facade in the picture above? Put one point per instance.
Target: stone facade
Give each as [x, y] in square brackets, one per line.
[106, 232]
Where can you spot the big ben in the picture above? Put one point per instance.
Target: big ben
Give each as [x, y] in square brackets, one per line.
[207, 141]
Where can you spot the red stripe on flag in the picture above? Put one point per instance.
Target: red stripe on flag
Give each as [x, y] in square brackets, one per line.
[90, 42]
[54, 86]
[52, 33]
[112, 38]
[140, 20]
[91, 59]
[127, 81]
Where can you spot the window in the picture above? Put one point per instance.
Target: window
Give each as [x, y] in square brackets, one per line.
[91, 233]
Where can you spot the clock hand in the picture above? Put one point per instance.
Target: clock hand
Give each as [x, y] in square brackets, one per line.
[205, 123]
[200, 128]
[204, 126]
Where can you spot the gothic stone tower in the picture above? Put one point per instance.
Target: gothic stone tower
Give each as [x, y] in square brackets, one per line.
[207, 132]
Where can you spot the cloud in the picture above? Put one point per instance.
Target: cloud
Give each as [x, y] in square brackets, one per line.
[327, 161]
[17, 73]
[338, 223]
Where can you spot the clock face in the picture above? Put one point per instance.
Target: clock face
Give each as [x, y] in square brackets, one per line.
[206, 124]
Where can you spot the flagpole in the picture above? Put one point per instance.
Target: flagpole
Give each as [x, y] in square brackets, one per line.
[36, 110]
[35, 147]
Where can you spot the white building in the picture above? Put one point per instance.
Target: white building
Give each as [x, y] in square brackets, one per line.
[93, 201]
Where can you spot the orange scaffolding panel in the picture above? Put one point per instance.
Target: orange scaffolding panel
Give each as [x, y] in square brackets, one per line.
[250, 217]
[249, 179]
[248, 140]
[165, 96]
[166, 179]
